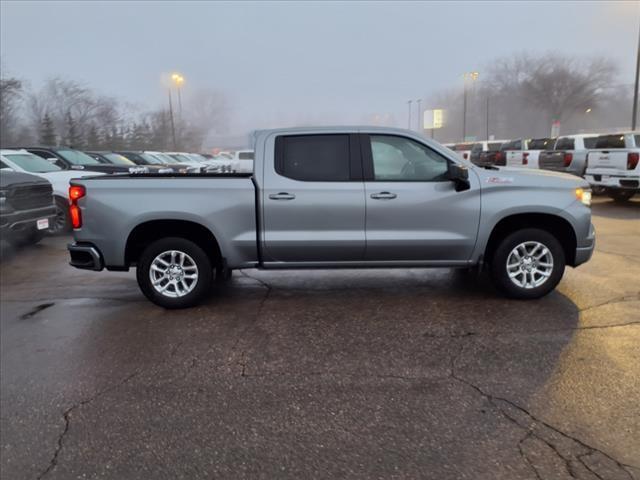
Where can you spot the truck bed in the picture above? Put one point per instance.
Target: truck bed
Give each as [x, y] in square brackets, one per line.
[223, 203]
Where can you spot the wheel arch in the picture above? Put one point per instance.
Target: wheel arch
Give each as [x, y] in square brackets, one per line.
[145, 233]
[556, 225]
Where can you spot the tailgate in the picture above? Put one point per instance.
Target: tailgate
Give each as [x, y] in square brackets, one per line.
[607, 160]
[552, 160]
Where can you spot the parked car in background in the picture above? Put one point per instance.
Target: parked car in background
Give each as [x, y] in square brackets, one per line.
[184, 159]
[484, 153]
[27, 209]
[614, 165]
[569, 154]
[112, 158]
[171, 162]
[524, 152]
[313, 201]
[70, 159]
[243, 161]
[147, 161]
[463, 150]
[23, 161]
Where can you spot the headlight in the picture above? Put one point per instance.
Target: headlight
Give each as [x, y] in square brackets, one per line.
[584, 196]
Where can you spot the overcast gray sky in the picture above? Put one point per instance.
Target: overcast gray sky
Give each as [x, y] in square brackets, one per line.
[279, 61]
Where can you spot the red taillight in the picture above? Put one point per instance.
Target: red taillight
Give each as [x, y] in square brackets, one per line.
[465, 155]
[76, 192]
[632, 160]
[525, 158]
[568, 157]
[499, 157]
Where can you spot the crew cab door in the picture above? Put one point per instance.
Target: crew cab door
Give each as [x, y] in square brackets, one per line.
[414, 212]
[313, 200]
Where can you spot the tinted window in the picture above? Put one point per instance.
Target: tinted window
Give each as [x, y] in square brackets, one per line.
[637, 139]
[399, 158]
[610, 141]
[541, 144]
[245, 156]
[477, 147]
[493, 147]
[590, 142]
[32, 163]
[566, 144]
[315, 158]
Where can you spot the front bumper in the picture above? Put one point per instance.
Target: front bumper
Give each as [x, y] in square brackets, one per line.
[85, 256]
[14, 223]
[584, 253]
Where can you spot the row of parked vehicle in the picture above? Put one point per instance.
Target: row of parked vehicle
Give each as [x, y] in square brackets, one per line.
[609, 162]
[34, 193]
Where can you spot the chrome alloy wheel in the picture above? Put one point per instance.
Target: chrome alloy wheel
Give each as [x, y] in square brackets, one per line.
[173, 274]
[530, 264]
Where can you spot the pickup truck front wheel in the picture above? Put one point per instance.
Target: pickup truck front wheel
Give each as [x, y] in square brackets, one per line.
[527, 264]
[174, 273]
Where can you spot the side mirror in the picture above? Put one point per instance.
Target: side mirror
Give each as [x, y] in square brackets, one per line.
[459, 175]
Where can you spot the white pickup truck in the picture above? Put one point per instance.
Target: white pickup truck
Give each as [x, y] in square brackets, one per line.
[525, 152]
[614, 165]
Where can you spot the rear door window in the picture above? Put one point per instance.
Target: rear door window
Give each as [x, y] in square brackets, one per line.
[313, 158]
[610, 141]
[566, 143]
[590, 142]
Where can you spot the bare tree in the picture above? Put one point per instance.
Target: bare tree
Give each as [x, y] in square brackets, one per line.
[10, 96]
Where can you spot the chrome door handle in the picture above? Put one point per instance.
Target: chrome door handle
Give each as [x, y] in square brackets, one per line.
[383, 196]
[282, 196]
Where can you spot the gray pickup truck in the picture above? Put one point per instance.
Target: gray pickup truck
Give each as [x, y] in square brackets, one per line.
[334, 198]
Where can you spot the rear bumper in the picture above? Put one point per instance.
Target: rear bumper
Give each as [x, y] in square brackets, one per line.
[85, 256]
[617, 182]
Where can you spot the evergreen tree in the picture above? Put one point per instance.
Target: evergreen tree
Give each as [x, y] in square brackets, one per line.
[47, 132]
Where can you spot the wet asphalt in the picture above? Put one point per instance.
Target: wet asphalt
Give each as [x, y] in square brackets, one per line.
[324, 374]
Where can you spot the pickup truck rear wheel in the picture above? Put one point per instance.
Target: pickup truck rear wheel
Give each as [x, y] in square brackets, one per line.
[174, 273]
[527, 264]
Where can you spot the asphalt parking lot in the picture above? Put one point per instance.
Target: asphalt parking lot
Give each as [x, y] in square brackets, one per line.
[324, 374]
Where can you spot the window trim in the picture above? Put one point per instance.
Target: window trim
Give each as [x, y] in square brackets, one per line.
[367, 159]
[355, 157]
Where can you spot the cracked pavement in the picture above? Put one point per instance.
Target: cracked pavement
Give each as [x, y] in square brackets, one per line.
[323, 374]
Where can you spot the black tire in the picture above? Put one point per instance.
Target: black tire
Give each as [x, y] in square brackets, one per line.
[621, 196]
[62, 220]
[223, 274]
[27, 237]
[201, 260]
[498, 263]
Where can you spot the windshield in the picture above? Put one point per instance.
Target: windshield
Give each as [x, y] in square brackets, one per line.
[75, 157]
[180, 158]
[152, 159]
[163, 157]
[117, 159]
[32, 163]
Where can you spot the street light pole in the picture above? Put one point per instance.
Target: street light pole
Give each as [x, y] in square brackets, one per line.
[634, 114]
[409, 118]
[487, 119]
[419, 114]
[173, 126]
